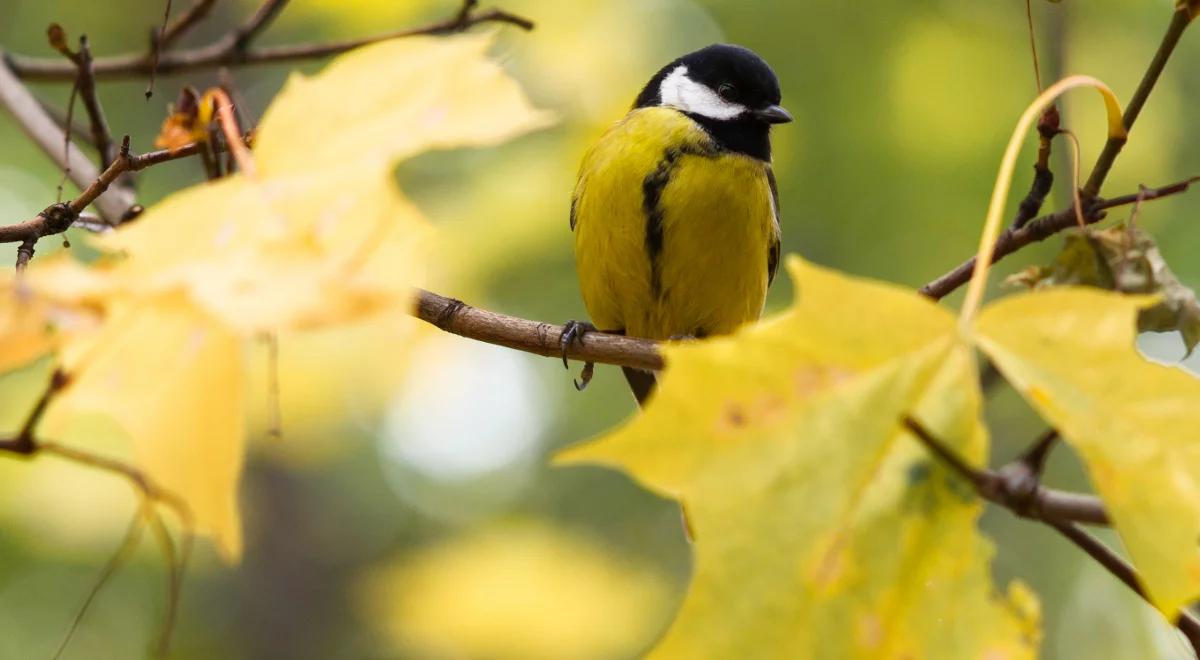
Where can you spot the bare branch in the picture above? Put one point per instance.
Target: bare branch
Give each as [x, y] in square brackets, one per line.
[86, 83]
[1015, 238]
[1187, 622]
[1022, 497]
[119, 557]
[16, 98]
[224, 52]
[1055, 509]
[262, 18]
[184, 23]
[57, 218]
[455, 317]
[1179, 23]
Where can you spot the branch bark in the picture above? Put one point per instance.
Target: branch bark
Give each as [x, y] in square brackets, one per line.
[185, 22]
[458, 318]
[1030, 500]
[57, 218]
[226, 51]
[16, 98]
[1014, 238]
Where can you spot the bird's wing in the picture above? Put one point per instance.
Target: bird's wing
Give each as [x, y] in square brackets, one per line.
[773, 249]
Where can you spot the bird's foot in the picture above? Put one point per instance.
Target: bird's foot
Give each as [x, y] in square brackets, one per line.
[683, 337]
[585, 376]
[573, 331]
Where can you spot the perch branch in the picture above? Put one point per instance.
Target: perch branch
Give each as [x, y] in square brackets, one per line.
[455, 317]
[233, 49]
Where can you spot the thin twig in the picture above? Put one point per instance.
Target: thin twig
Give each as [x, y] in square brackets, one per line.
[1187, 623]
[156, 48]
[68, 127]
[224, 52]
[16, 98]
[173, 31]
[1043, 177]
[58, 218]
[1179, 22]
[262, 18]
[1037, 69]
[995, 487]
[176, 566]
[86, 82]
[1028, 500]
[1015, 238]
[118, 558]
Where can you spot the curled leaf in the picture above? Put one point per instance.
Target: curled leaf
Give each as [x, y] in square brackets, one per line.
[1127, 260]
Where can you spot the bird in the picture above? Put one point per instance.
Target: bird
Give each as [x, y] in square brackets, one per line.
[675, 212]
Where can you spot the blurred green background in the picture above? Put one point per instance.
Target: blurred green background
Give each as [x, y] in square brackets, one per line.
[410, 512]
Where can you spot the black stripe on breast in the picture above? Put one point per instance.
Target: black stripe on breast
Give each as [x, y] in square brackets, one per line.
[652, 189]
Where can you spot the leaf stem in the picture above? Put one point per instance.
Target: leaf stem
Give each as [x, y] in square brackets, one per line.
[991, 226]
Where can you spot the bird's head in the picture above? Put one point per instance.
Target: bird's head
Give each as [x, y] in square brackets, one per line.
[719, 83]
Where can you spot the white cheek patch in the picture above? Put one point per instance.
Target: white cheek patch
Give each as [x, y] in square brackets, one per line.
[680, 92]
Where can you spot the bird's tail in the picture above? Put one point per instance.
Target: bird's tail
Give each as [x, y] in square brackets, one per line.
[641, 382]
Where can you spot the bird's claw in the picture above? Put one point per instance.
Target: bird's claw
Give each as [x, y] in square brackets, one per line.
[585, 376]
[573, 331]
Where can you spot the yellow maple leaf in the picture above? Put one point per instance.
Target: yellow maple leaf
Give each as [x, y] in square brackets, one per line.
[822, 529]
[52, 301]
[321, 234]
[281, 254]
[171, 376]
[24, 331]
[1070, 352]
[390, 101]
[317, 235]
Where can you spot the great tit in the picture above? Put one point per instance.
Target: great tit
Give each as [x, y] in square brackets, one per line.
[676, 210]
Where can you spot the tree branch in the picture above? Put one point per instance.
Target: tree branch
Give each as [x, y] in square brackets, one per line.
[57, 218]
[267, 11]
[86, 84]
[1180, 20]
[1187, 622]
[46, 133]
[1004, 487]
[1056, 509]
[1012, 240]
[226, 52]
[461, 319]
[181, 25]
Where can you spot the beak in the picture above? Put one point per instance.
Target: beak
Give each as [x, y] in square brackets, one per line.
[772, 114]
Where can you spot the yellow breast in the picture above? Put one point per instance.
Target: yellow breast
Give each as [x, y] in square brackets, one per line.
[672, 233]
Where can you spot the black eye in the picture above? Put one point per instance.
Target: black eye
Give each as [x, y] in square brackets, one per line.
[727, 92]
